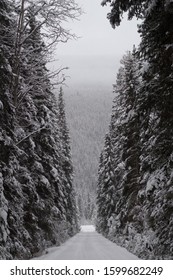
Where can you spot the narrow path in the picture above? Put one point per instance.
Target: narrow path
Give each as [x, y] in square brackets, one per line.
[88, 245]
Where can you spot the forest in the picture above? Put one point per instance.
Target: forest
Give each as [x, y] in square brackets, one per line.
[37, 197]
[88, 115]
[45, 191]
[134, 190]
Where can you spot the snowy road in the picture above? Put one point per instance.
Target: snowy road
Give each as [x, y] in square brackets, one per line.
[87, 245]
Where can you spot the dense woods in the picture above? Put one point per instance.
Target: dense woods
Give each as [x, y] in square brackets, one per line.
[133, 203]
[37, 198]
[88, 114]
[135, 193]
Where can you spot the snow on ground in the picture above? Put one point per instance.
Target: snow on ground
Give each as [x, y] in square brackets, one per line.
[88, 228]
[87, 245]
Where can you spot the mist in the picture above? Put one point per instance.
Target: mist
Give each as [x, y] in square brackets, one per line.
[90, 70]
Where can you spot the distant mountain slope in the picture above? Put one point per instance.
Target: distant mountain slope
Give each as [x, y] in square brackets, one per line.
[88, 115]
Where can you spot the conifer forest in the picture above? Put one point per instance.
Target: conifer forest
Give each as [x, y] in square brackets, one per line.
[124, 184]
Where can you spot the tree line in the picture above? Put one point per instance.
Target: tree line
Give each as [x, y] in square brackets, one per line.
[135, 179]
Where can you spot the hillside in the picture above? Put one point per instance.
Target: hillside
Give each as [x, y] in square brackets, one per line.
[88, 115]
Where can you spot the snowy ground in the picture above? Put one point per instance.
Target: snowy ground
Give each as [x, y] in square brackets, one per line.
[88, 228]
[87, 245]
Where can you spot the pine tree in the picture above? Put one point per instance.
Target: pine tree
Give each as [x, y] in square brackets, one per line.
[106, 188]
[131, 129]
[6, 120]
[155, 106]
[67, 163]
[119, 7]
[35, 121]
[125, 162]
[34, 210]
[64, 135]
[156, 49]
[6, 37]
[47, 153]
[138, 8]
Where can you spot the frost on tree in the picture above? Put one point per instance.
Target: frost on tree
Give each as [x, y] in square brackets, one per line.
[157, 49]
[141, 208]
[106, 188]
[148, 225]
[34, 211]
[67, 165]
[124, 139]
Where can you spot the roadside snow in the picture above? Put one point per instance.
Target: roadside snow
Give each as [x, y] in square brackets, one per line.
[87, 245]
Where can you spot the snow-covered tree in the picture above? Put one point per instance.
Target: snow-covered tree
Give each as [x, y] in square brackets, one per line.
[6, 45]
[138, 8]
[64, 134]
[116, 203]
[106, 187]
[156, 48]
[50, 17]
[34, 205]
[128, 94]
[111, 167]
[66, 161]
[6, 116]
[155, 105]
[119, 7]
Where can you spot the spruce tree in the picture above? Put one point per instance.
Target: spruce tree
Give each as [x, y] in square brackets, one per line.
[67, 166]
[6, 46]
[120, 214]
[131, 129]
[4, 83]
[156, 49]
[119, 7]
[47, 152]
[33, 197]
[155, 106]
[105, 201]
[64, 135]
[7, 122]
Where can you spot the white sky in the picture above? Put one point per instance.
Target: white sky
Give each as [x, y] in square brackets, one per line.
[94, 57]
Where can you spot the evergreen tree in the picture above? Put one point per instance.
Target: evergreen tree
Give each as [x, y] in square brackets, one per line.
[7, 121]
[155, 106]
[130, 129]
[45, 146]
[118, 213]
[67, 163]
[6, 38]
[64, 136]
[138, 8]
[89, 208]
[106, 188]
[34, 201]
[119, 7]
[156, 49]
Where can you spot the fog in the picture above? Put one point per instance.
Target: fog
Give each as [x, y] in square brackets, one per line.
[90, 70]
[94, 58]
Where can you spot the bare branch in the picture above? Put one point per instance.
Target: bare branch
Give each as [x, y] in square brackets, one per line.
[50, 17]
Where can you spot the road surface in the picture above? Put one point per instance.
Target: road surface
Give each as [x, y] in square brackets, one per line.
[87, 245]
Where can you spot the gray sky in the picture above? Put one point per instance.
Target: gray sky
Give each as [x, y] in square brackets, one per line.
[93, 59]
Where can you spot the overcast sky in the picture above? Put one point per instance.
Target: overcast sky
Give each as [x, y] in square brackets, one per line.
[94, 57]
